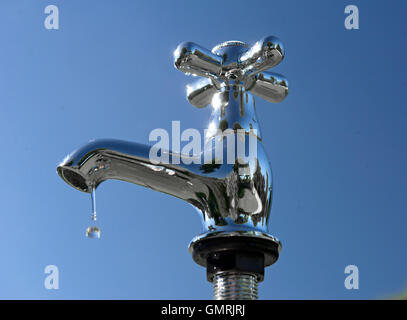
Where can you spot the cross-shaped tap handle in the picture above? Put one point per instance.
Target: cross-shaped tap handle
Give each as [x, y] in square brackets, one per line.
[233, 61]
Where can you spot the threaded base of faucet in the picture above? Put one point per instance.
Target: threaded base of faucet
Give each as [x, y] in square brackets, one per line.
[235, 263]
[235, 286]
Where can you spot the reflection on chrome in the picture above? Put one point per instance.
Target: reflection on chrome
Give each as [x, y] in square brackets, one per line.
[232, 199]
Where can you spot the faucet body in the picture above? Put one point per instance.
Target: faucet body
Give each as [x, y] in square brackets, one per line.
[234, 197]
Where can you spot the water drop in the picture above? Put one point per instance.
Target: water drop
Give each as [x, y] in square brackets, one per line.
[93, 231]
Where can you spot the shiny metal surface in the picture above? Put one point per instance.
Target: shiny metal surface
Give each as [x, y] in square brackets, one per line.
[233, 199]
[226, 200]
[235, 286]
[233, 61]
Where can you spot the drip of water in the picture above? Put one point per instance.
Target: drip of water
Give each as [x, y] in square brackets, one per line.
[93, 231]
[93, 200]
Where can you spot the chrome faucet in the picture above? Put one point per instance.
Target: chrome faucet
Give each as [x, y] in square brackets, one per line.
[233, 198]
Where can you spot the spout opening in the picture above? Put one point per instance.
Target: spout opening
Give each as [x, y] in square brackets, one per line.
[73, 178]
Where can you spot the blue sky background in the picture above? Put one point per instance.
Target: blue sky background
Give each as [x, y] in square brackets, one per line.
[337, 145]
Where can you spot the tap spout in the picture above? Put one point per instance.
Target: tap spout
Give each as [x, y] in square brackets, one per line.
[231, 197]
[105, 159]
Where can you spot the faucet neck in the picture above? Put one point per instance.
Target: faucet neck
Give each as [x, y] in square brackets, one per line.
[233, 108]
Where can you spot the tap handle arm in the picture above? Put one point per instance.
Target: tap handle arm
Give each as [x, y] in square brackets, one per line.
[264, 54]
[272, 87]
[191, 58]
